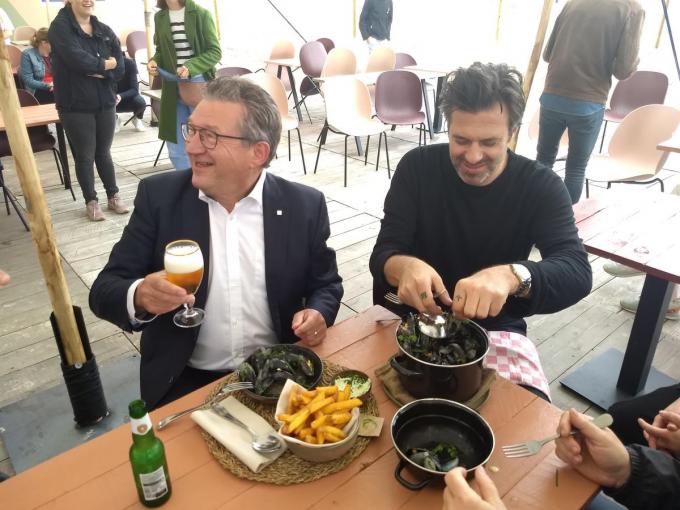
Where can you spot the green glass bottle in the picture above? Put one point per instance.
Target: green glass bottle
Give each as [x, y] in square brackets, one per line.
[147, 457]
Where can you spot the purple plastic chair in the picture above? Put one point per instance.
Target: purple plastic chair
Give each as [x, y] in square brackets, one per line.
[228, 72]
[327, 43]
[639, 89]
[399, 100]
[403, 60]
[135, 41]
[312, 58]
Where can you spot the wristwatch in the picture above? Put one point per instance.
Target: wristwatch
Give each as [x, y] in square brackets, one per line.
[523, 277]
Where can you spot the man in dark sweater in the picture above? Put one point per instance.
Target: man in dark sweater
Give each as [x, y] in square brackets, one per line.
[464, 217]
[375, 22]
[128, 96]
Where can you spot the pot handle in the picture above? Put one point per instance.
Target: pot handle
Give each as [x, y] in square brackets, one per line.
[409, 485]
[401, 370]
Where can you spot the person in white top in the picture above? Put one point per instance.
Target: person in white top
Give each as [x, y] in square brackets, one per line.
[269, 276]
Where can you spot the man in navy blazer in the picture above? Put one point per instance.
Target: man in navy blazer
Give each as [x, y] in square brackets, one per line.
[269, 276]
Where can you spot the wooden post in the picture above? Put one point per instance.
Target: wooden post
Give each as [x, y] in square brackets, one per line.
[535, 57]
[217, 19]
[498, 19]
[148, 13]
[354, 19]
[38, 214]
[663, 22]
[47, 11]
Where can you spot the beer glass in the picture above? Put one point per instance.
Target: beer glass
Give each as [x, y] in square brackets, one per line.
[184, 267]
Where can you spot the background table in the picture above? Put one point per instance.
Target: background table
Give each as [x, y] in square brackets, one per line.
[97, 474]
[41, 115]
[638, 230]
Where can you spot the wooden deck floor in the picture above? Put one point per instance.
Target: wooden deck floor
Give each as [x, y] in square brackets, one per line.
[29, 360]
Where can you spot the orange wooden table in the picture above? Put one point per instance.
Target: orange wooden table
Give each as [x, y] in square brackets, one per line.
[41, 115]
[98, 475]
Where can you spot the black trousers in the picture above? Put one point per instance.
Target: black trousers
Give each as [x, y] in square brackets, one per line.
[134, 104]
[44, 96]
[627, 412]
[189, 380]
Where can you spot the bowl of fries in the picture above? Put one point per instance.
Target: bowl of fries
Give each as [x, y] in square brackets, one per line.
[318, 425]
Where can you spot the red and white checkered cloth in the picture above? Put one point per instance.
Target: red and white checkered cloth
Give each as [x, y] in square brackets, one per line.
[515, 357]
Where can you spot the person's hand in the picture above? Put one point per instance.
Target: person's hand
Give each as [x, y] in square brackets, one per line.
[484, 293]
[50, 87]
[664, 433]
[370, 40]
[156, 295]
[595, 453]
[117, 98]
[459, 495]
[182, 72]
[419, 284]
[110, 63]
[152, 67]
[661, 422]
[309, 326]
[4, 278]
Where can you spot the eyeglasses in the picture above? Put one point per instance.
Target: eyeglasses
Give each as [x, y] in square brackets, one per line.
[207, 137]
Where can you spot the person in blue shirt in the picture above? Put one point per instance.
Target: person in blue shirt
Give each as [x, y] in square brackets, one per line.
[128, 97]
[36, 68]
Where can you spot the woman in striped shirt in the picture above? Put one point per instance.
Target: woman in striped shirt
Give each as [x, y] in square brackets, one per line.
[186, 45]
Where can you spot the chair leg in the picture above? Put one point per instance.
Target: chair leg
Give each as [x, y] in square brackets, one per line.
[422, 126]
[377, 159]
[322, 140]
[11, 199]
[159, 153]
[55, 152]
[587, 188]
[302, 152]
[387, 157]
[661, 184]
[368, 141]
[346, 137]
[604, 130]
[288, 145]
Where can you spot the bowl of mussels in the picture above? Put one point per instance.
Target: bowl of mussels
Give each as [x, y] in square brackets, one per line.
[447, 364]
[268, 368]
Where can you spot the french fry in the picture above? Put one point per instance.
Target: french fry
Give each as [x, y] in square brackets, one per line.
[284, 417]
[342, 406]
[292, 399]
[299, 420]
[328, 390]
[320, 404]
[343, 394]
[339, 418]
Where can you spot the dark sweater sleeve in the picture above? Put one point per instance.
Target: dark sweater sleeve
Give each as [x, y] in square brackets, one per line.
[398, 226]
[654, 481]
[129, 261]
[128, 86]
[563, 275]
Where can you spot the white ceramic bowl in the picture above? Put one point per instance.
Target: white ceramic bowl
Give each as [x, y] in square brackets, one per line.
[317, 452]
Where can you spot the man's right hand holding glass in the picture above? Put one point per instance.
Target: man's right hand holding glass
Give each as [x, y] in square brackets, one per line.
[156, 295]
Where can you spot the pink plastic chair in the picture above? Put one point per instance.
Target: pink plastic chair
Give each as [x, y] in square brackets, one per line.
[399, 100]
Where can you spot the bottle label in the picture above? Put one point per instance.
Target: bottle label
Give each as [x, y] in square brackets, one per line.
[154, 484]
[141, 426]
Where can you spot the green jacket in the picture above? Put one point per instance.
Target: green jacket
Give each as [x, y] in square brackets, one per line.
[201, 34]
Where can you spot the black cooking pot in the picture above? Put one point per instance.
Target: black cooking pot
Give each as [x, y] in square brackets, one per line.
[454, 382]
[428, 422]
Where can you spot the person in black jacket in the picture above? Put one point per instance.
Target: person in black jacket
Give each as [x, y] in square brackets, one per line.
[86, 63]
[128, 98]
[375, 22]
[638, 477]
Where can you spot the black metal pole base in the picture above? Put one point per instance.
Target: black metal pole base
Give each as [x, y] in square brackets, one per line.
[83, 383]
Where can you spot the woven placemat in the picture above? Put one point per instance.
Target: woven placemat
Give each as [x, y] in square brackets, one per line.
[287, 469]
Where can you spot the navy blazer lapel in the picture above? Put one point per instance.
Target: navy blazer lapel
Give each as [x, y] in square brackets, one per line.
[275, 222]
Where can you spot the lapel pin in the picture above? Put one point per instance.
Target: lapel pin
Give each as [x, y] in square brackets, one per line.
[279, 212]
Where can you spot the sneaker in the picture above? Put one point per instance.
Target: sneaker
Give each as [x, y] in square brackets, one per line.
[116, 128]
[94, 212]
[138, 124]
[673, 312]
[616, 269]
[116, 204]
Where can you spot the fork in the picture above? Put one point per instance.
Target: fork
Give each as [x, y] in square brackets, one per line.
[534, 446]
[393, 298]
[229, 388]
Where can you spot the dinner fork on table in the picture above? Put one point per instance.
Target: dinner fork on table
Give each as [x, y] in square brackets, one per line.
[534, 446]
[226, 389]
[393, 298]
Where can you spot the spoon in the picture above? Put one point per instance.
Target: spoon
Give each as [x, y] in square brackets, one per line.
[263, 443]
[432, 325]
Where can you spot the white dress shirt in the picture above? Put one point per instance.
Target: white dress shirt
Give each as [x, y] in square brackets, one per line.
[237, 317]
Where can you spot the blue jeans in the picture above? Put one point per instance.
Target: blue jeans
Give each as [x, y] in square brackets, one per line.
[583, 131]
[176, 151]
